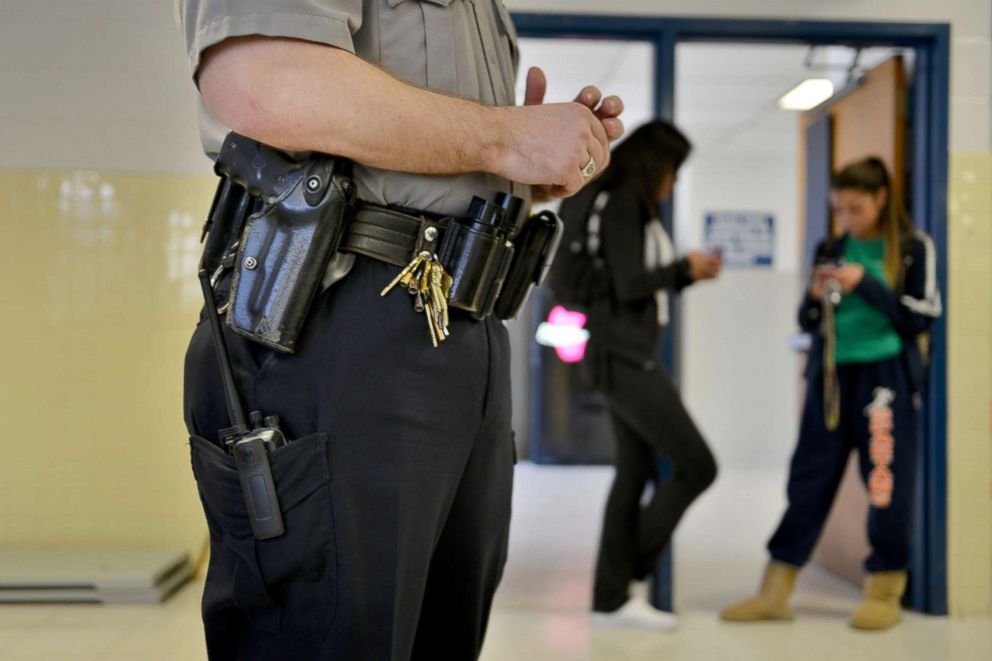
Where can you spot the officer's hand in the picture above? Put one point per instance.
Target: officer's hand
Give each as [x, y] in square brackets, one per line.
[548, 145]
[703, 266]
[605, 111]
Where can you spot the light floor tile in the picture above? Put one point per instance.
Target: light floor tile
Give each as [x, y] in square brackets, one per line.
[541, 610]
[16, 616]
[56, 641]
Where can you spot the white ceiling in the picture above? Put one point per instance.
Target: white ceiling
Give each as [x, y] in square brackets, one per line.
[726, 96]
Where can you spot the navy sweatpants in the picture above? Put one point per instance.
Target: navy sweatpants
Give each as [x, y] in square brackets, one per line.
[879, 420]
[395, 493]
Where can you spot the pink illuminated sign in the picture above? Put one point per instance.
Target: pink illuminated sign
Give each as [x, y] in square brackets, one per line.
[565, 332]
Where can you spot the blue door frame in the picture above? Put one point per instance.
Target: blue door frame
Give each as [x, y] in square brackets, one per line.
[929, 167]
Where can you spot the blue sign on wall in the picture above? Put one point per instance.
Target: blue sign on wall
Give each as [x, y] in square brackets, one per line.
[744, 239]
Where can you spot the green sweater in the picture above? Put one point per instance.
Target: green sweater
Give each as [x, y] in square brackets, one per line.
[864, 334]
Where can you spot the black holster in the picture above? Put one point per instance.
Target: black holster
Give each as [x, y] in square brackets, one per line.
[299, 213]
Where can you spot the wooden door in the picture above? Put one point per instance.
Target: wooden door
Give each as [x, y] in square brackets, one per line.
[869, 119]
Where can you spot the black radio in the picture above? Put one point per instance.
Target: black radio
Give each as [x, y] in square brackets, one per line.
[492, 269]
[476, 252]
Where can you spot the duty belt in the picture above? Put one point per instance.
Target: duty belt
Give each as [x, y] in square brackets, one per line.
[405, 240]
[277, 223]
[390, 235]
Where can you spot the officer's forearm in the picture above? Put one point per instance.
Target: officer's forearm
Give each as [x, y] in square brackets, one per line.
[301, 96]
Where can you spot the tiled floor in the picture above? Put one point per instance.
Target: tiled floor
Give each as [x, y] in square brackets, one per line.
[541, 607]
[541, 610]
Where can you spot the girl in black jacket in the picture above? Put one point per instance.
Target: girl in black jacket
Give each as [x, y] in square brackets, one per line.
[871, 299]
[625, 328]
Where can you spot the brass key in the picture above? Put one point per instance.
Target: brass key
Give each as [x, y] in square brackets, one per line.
[406, 274]
[432, 324]
[431, 309]
[425, 279]
[439, 296]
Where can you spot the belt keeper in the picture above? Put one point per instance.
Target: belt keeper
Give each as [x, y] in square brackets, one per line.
[429, 237]
[425, 279]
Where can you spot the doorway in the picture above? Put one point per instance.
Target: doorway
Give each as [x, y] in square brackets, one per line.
[928, 156]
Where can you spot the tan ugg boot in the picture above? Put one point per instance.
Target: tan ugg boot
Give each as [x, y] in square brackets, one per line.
[772, 602]
[881, 608]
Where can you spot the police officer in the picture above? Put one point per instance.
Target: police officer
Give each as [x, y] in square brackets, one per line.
[405, 528]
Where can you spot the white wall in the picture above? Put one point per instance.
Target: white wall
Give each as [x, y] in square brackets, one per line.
[101, 84]
[739, 377]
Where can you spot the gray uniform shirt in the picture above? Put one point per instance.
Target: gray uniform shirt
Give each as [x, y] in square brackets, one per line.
[458, 47]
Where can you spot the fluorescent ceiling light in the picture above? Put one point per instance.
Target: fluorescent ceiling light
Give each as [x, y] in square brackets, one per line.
[807, 94]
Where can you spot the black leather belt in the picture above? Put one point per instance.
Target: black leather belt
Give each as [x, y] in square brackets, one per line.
[389, 235]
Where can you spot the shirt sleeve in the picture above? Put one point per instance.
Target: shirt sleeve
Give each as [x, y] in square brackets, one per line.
[810, 309]
[205, 23]
[912, 311]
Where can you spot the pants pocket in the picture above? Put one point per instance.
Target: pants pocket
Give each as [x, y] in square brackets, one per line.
[287, 585]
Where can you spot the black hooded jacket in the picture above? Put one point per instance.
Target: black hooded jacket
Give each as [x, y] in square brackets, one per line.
[625, 323]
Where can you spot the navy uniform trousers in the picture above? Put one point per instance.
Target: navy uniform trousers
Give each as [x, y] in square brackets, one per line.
[878, 419]
[395, 492]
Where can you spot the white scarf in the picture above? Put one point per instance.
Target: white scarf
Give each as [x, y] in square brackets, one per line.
[658, 252]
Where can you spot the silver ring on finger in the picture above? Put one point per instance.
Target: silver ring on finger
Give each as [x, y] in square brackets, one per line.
[589, 169]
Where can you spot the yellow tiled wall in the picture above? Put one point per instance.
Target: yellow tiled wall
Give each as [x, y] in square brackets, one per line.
[969, 389]
[99, 298]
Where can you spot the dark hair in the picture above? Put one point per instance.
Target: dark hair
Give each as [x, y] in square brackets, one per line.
[870, 175]
[641, 162]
